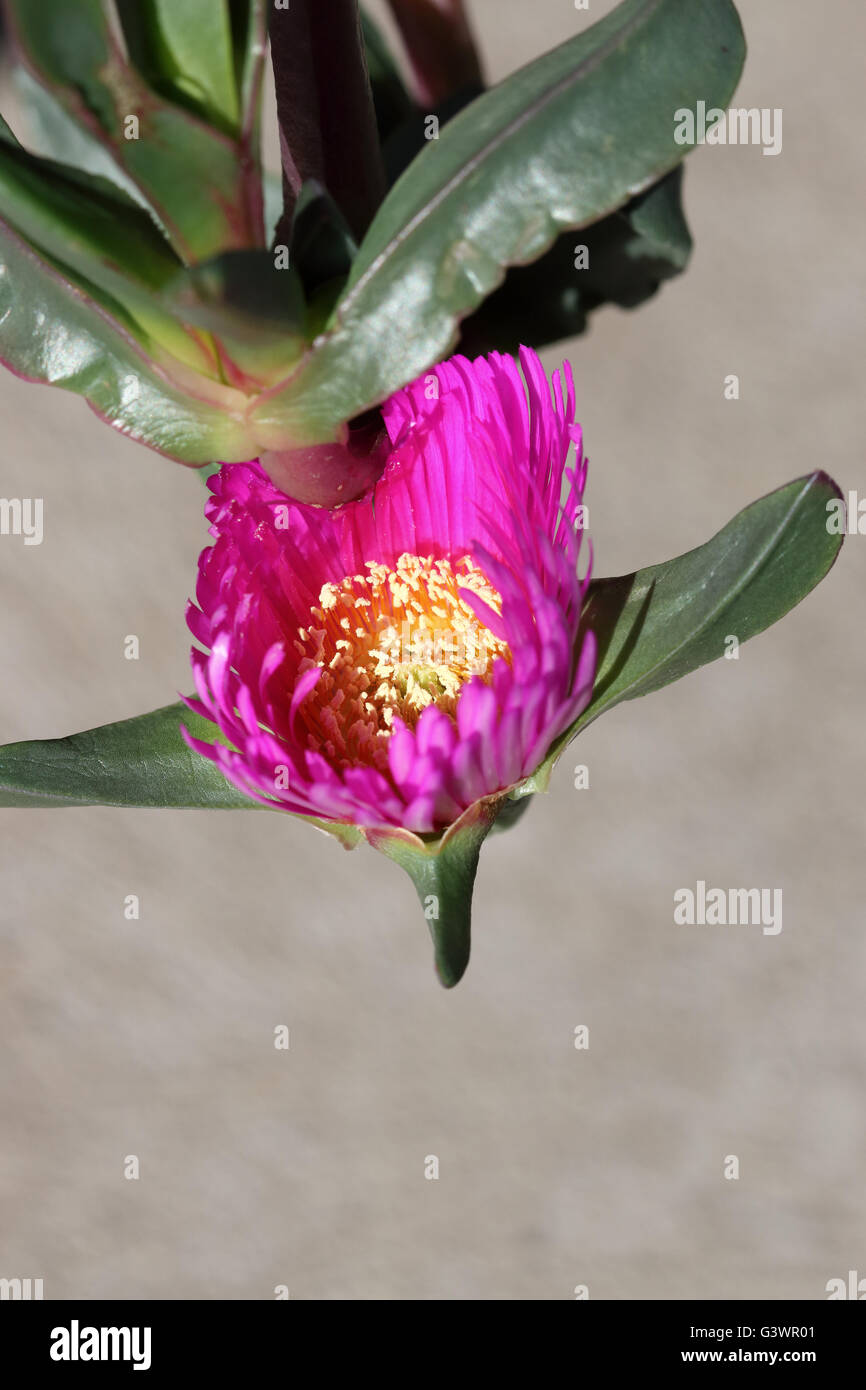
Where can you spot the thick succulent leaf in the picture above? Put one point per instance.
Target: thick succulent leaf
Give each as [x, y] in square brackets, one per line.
[184, 50]
[322, 247]
[53, 332]
[256, 312]
[140, 762]
[137, 762]
[443, 870]
[629, 254]
[101, 237]
[73, 50]
[78, 216]
[53, 131]
[561, 143]
[657, 625]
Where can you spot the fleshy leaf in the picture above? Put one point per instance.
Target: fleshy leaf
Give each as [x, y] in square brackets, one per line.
[142, 762]
[561, 143]
[55, 132]
[443, 872]
[51, 332]
[106, 242]
[184, 50]
[255, 312]
[205, 196]
[80, 217]
[627, 257]
[137, 762]
[657, 625]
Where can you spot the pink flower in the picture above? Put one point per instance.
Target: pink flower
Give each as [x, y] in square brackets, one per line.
[393, 662]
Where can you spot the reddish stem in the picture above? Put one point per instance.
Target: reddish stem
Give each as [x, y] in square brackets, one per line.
[441, 47]
[325, 109]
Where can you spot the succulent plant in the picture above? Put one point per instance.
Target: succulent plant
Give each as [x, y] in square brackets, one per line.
[294, 333]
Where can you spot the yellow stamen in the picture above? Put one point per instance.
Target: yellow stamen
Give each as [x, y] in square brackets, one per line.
[392, 642]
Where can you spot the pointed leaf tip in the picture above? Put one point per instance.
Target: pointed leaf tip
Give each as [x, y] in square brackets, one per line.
[443, 872]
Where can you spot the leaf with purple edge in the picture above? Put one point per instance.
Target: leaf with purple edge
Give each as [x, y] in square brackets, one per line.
[561, 143]
[184, 50]
[51, 331]
[75, 51]
[104, 241]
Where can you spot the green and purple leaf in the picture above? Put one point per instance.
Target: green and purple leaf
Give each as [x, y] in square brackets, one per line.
[53, 331]
[561, 143]
[188, 172]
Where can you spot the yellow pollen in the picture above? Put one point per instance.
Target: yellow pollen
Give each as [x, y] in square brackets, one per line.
[392, 642]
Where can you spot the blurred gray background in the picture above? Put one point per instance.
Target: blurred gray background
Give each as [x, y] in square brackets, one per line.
[558, 1167]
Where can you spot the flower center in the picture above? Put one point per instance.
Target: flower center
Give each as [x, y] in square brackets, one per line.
[391, 642]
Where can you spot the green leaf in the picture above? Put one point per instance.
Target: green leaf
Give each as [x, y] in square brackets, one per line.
[203, 194]
[141, 762]
[629, 254]
[657, 625]
[80, 217]
[185, 52]
[138, 762]
[561, 143]
[144, 762]
[250, 37]
[55, 132]
[443, 871]
[255, 311]
[392, 103]
[52, 332]
[102, 238]
[322, 247]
